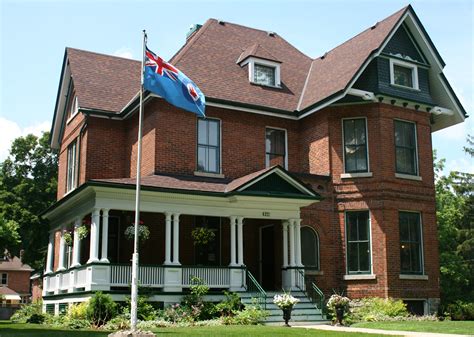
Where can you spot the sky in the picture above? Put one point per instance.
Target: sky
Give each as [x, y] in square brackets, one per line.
[34, 34]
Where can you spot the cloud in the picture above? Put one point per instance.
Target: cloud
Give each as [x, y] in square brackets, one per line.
[124, 52]
[11, 130]
[460, 165]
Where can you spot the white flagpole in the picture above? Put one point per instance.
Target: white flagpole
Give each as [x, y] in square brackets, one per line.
[133, 310]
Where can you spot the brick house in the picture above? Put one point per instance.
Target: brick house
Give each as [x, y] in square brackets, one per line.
[313, 174]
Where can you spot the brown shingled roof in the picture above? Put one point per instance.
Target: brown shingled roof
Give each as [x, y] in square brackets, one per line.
[332, 72]
[104, 82]
[13, 263]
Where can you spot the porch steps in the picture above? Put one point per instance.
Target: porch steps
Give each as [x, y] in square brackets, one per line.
[304, 312]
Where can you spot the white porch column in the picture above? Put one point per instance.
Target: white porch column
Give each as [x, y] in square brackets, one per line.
[176, 239]
[292, 243]
[50, 255]
[168, 238]
[285, 243]
[240, 241]
[76, 245]
[232, 241]
[105, 236]
[94, 244]
[298, 242]
[62, 251]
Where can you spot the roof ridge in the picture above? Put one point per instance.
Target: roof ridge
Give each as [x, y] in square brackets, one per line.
[304, 87]
[101, 54]
[369, 28]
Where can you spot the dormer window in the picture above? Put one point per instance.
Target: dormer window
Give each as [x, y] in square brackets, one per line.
[403, 74]
[264, 75]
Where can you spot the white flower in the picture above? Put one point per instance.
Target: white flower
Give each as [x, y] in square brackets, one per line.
[285, 301]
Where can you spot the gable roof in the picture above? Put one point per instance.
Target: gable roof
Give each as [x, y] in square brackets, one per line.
[13, 263]
[258, 51]
[332, 72]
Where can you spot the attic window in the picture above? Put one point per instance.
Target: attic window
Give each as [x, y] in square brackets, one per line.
[264, 72]
[74, 108]
[403, 74]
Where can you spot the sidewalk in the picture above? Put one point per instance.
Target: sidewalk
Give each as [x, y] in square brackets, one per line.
[378, 331]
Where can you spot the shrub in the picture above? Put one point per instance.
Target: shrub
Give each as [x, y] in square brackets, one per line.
[145, 311]
[229, 305]
[177, 313]
[251, 315]
[375, 309]
[120, 322]
[101, 309]
[77, 311]
[76, 323]
[26, 311]
[194, 303]
[148, 325]
[460, 311]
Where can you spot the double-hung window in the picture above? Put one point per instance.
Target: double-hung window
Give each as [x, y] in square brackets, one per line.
[71, 178]
[275, 147]
[358, 242]
[411, 243]
[405, 148]
[208, 151]
[4, 279]
[355, 145]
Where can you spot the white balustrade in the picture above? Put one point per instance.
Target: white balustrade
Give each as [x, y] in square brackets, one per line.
[213, 277]
[81, 277]
[121, 275]
[64, 281]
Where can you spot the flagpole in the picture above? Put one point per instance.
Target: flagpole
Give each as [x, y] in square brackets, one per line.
[134, 295]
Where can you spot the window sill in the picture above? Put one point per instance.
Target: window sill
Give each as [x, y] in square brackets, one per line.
[413, 277]
[404, 87]
[359, 277]
[208, 174]
[267, 85]
[314, 272]
[356, 175]
[408, 176]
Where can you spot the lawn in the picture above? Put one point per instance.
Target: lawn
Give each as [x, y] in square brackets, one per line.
[8, 329]
[455, 327]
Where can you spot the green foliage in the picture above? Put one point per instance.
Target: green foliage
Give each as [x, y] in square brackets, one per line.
[9, 236]
[77, 311]
[120, 322]
[231, 304]
[145, 311]
[455, 214]
[27, 311]
[251, 315]
[28, 181]
[101, 309]
[143, 232]
[202, 236]
[376, 309]
[75, 324]
[461, 311]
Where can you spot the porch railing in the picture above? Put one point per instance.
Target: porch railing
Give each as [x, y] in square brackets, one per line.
[149, 276]
[312, 292]
[256, 290]
[213, 277]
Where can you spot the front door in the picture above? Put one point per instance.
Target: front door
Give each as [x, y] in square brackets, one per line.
[267, 257]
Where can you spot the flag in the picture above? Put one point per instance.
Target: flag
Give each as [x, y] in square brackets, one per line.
[168, 82]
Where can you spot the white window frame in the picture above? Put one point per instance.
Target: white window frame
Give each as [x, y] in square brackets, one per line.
[267, 163]
[73, 109]
[70, 186]
[318, 242]
[366, 174]
[414, 73]
[414, 276]
[251, 61]
[206, 173]
[354, 276]
[416, 176]
[1, 279]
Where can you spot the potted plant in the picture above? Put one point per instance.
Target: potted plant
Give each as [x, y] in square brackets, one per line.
[67, 236]
[285, 302]
[338, 305]
[143, 231]
[82, 233]
[203, 236]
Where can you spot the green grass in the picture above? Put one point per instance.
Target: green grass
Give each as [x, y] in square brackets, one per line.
[454, 327]
[8, 329]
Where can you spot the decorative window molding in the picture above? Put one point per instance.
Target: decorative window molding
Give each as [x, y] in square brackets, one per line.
[276, 146]
[356, 277]
[209, 146]
[404, 74]
[358, 235]
[355, 146]
[311, 249]
[253, 62]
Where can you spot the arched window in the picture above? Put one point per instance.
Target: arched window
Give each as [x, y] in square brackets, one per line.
[309, 247]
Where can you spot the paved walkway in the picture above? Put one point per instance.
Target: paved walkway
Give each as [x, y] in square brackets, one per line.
[378, 331]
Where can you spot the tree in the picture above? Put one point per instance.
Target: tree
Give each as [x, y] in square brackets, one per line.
[28, 182]
[9, 236]
[455, 214]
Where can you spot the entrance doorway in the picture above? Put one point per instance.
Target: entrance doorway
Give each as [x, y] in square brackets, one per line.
[267, 257]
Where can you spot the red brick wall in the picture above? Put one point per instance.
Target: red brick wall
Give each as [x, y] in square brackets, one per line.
[36, 290]
[18, 281]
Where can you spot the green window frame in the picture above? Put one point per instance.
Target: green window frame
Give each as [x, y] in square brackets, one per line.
[358, 242]
[411, 243]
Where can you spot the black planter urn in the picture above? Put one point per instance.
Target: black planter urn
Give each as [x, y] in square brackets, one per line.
[287, 315]
[339, 315]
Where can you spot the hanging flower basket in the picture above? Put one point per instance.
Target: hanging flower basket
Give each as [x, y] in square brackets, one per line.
[202, 236]
[67, 237]
[143, 232]
[82, 232]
